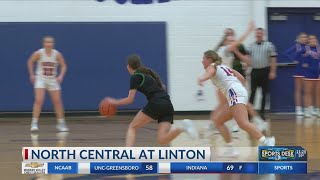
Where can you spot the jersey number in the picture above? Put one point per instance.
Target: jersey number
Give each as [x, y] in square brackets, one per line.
[227, 70]
[48, 71]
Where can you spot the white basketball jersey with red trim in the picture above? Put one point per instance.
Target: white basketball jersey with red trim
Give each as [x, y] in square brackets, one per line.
[47, 65]
[224, 78]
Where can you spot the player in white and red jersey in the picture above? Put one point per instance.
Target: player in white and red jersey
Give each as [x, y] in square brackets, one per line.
[231, 84]
[45, 79]
[226, 52]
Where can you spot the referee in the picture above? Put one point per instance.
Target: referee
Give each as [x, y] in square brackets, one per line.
[263, 61]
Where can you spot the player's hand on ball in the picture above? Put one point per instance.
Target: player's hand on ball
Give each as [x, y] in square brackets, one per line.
[32, 79]
[111, 100]
[60, 79]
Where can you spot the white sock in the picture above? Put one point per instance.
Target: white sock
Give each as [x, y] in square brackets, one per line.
[298, 108]
[34, 120]
[262, 140]
[61, 120]
[230, 144]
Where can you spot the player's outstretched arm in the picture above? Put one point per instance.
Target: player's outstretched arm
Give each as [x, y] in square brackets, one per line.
[124, 101]
[235, 44]
[210, 71]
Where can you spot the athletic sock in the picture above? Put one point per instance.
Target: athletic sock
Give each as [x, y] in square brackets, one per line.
[34, 120]
[262, 140]
[298, 108]
[61, 120]
[229, 144]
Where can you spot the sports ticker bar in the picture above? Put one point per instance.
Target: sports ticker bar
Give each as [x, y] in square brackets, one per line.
[88, 160]
[166, 168]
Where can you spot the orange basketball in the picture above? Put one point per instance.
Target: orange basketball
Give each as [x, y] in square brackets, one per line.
[106, 109]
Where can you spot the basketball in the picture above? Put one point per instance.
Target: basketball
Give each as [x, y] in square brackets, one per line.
[106, 109]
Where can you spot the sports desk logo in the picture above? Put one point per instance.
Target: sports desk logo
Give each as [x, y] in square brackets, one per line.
[33, 168]
[277, 155]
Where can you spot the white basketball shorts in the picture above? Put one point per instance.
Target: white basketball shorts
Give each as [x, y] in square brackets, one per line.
[237, 94]
[49, 83]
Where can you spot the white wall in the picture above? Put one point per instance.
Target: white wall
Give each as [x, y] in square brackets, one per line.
[193, 27]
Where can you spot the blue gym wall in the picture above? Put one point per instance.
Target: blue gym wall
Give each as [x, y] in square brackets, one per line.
[95, 54]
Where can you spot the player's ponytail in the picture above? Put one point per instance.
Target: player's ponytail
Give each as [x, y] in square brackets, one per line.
[134, 62]
[214, 57]
[153, 74]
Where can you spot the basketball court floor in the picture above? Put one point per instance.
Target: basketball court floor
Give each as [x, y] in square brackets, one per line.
[96, 131]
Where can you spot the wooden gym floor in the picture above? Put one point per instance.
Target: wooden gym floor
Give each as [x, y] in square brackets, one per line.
[95, 131]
